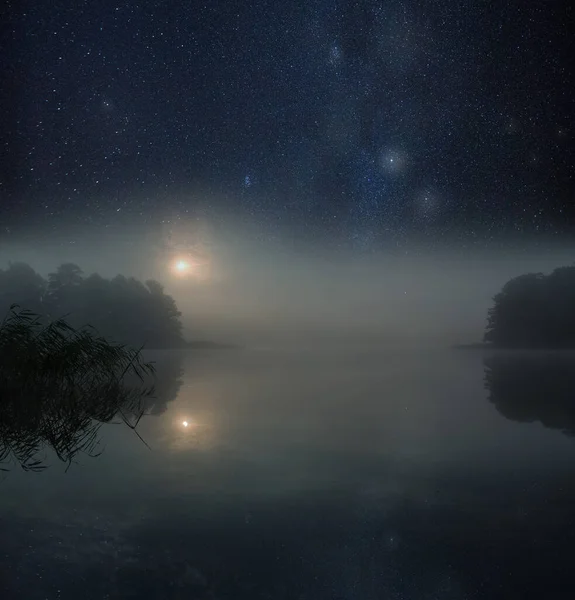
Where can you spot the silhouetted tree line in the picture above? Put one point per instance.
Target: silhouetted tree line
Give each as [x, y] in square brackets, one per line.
[122, 309]
[534, 311]
[533, 388]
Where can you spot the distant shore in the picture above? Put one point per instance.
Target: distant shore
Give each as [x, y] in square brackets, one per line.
[209, 345]
[198, 345]
[473, 346]
[488, 346]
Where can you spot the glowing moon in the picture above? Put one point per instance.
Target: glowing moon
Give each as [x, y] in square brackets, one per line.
[185, 423]
[189, 267]
[183, 267]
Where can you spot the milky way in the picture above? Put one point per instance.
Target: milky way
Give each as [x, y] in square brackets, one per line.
[365, 121]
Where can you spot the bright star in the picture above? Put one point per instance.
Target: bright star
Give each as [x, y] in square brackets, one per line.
[393, 161]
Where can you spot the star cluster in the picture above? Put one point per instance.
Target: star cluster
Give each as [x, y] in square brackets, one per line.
[365, 120]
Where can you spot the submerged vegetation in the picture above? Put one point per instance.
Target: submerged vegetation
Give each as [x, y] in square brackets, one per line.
[58, 385]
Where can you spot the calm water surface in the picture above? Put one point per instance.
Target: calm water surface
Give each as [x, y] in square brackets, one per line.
[334, 473]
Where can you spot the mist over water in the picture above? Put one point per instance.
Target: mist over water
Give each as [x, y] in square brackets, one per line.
[248, 289]
[372, 470]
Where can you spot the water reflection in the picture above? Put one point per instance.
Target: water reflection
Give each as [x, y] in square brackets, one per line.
[192, 428]
[529, 388]
[301, 477]
[64, 425]
[167, 381]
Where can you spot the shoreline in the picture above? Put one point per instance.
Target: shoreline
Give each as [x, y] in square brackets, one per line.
[492, 348]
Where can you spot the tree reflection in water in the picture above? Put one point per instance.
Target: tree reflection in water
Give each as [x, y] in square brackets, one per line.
[58, 385]
[529, 387]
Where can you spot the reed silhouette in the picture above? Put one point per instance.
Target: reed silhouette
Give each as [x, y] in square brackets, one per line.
[59, 384]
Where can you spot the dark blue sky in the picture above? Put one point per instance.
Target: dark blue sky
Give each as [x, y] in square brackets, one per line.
[368, 121]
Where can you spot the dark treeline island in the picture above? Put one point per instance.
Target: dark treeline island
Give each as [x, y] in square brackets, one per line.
[122, 309]
[534, 311]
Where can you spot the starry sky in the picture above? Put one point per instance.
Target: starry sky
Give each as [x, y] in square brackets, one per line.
[360, 121]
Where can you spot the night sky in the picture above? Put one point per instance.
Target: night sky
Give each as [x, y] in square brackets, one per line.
[365, 122]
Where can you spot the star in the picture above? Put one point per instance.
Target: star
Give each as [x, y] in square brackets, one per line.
[393, 161]
[107, 105]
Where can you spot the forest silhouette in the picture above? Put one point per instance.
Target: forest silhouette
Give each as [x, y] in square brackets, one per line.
[122, 309]
[534, 311]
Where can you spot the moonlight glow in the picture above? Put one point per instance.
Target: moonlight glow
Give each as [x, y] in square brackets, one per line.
[186, 267]
[182, 267]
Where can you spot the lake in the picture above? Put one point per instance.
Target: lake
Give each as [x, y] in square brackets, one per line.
[340, 473]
